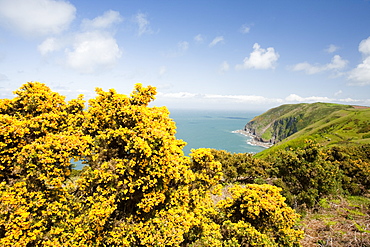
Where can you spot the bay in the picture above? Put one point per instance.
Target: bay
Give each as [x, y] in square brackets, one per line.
[214, 129]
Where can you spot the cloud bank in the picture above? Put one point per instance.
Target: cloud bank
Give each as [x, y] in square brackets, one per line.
[244, 101]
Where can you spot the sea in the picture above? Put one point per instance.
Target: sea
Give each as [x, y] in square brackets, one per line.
[211, 129]
[214, 129]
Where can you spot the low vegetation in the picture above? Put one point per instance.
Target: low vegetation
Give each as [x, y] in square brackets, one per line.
[139, 189]
[328, 186]
[327, 124]
[322, 164]
[338, 221]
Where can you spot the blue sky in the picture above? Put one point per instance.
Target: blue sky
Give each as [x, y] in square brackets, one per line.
[250, 55]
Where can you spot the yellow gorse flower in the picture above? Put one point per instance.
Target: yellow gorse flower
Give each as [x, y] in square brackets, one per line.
[137, 188]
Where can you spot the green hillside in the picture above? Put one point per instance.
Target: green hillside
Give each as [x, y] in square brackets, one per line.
[327, 124]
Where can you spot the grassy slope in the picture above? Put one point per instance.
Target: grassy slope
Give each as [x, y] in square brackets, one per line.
[328, 124]
[302, 115]
[342, 221]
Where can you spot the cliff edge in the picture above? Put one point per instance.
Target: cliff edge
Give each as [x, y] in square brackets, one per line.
[279, 123]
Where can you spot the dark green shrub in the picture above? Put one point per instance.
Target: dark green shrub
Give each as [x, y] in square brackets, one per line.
[307, 174]
[241, 167]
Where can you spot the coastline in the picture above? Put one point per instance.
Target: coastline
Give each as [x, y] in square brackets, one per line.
[253, 140]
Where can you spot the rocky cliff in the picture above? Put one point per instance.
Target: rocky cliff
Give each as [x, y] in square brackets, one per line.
[281, 122]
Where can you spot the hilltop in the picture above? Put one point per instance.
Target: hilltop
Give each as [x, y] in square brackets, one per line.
[326, 123]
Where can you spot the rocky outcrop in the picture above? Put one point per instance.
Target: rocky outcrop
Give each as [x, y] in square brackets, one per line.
[274, 131]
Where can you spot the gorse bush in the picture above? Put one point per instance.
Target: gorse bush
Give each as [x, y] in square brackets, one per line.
[257, 215]
[137, 189]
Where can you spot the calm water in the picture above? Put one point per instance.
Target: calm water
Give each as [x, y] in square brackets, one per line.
[212, 129]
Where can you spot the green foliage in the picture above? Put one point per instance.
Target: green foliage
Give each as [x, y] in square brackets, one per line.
[365, 127]
[307, 174]
[366, 136]
[241, 167]
[324, 203]
[313, 172]
[354, 163]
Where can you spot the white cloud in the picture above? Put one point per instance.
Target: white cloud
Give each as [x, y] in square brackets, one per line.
[36, 17]
[361, 74]
[338, 93]
[253, 99]
[183, 45]
[294, 97]
[92, 51]
[337, 63]
[245, 29]
[260, 58]
[180, 95]
[104, 21]
[350, 100]
[199, 38]
[364, 47]
[332, 48]
[224, 67]
[216, 40]
[242, 101]
[49, 45]
[308, 68]
[297, 98]
[143, 23]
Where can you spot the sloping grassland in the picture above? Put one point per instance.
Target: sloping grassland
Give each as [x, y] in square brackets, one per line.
[327, 124]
